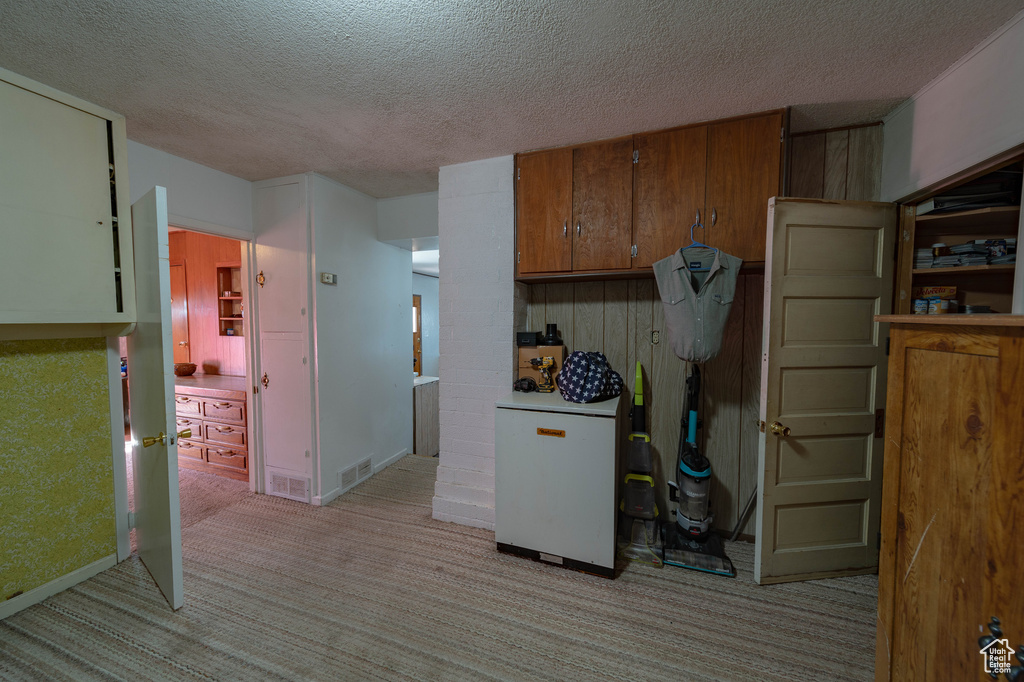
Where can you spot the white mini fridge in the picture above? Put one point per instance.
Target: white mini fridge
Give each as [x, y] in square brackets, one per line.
[554, 480]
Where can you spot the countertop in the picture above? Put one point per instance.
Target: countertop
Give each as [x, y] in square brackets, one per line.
[554, 402]
[215, 385]
[956, 320]
[419, 381]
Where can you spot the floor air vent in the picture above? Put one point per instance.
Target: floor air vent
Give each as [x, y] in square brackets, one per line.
[365, 469]
[289, 486]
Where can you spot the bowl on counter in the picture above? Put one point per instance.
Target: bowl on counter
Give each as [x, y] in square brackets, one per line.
[184, 369]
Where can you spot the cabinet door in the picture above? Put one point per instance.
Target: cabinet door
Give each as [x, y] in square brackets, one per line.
[742, 174]
[543, 211]
[602, 205]
[668, 191]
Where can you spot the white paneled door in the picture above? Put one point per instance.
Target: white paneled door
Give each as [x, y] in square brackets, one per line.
[285, 368]
[828, 272]
[151, 396]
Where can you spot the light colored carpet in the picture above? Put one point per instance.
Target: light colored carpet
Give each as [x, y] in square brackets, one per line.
[371, 587]
[202, 494]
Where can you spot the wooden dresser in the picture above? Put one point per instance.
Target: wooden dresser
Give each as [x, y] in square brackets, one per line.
[953, 486]
[214, 408]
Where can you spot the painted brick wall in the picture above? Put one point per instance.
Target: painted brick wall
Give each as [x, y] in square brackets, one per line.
[478, 305]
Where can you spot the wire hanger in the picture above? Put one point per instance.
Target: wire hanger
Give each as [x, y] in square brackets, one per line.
[695, 243]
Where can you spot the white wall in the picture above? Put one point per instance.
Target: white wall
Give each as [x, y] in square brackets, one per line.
[197, 196]
[401, 219]
[972, 112]
[363, 335]
[427, 288]
[476, 228]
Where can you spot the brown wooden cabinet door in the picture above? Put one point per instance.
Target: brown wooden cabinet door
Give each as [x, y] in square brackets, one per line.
[668, 191]
[742, 174]
[602, 206]
[543, 212]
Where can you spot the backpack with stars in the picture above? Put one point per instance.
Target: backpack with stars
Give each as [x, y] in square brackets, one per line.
[585, 377]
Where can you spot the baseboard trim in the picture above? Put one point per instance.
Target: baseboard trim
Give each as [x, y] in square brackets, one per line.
[323, 500]
[390, 460]
[34, 596]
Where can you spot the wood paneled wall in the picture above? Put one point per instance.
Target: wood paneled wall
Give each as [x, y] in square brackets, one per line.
[837, 164]
[618, 318]
[201, 254]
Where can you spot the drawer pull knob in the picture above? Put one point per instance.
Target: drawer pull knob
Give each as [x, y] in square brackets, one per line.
[182, 399]
[226, 429]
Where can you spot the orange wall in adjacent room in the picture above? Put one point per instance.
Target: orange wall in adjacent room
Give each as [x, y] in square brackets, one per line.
[201, 255]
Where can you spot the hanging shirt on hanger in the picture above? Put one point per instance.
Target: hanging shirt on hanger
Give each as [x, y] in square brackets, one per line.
[697, 303]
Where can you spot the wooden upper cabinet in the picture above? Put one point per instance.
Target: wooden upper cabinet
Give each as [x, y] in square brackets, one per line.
[743, 172]
[543, 211]
[602, 205]
[668, 191]
[597, 209]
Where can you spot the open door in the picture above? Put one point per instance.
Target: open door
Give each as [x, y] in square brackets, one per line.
[828, 272]
[151, 396]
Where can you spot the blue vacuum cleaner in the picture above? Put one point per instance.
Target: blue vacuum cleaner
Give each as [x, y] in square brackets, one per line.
[690, 542]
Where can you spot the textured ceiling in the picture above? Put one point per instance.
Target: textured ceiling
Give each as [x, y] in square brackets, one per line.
[378, 94]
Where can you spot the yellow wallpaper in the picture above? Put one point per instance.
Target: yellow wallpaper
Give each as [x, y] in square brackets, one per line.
[56, 473]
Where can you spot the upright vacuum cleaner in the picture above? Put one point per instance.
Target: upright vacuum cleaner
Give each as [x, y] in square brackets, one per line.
[639, 539]
[690, 542]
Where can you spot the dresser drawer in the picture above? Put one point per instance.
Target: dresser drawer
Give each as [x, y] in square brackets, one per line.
[224, 410]
[187, 405]
[189, 450]
[226, 457]
[192, 424]
[224, 433]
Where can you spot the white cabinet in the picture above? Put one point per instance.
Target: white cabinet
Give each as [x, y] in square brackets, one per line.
[66, 262]
[554, 480]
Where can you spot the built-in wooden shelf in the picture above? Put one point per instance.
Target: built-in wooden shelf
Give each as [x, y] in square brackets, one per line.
[968, 269]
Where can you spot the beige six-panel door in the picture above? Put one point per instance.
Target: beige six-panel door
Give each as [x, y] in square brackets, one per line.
[828, 272]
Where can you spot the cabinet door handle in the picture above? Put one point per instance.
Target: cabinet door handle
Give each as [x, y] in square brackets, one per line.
[577, 229]
[565, 229]
[222, 404]
[714, 217]
[182, 399]
[224, 429]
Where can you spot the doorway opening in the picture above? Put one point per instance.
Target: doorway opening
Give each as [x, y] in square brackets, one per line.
[213, 412]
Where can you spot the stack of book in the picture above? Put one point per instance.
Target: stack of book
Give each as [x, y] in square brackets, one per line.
[971, 253]
[949, 261]
[999, 188]
[922, 258]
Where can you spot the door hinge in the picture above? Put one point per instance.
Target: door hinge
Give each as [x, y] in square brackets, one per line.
[636, 156]
[131, 520]
[782, 135]
[519, 255]
[632, 251]
[879, 422]
[517, 173]
[255, 390]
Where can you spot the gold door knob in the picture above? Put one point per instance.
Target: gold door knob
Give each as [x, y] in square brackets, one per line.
[150, 440]
[779, 430]
[187, 433]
